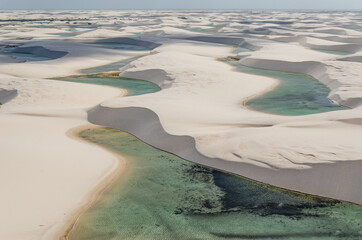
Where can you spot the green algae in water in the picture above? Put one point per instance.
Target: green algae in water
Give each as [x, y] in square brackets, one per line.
[297, 94]
[162, 196]
[134, 86]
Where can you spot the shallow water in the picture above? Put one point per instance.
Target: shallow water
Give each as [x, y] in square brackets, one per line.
[64, 34]
[24, 57]
[213, 29]
[332, 52]
[27, 57]
[162, 196]
[240, 50]
[123, 46]
[297, 94]
[44, 25]
[82, 25]
[134, 86]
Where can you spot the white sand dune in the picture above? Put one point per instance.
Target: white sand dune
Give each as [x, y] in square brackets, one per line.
[320, 43]
[169, 31]
[100, 33]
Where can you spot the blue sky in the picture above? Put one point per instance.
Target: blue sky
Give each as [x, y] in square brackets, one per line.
[181, 4]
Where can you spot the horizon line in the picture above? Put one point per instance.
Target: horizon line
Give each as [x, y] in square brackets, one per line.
[160, 9]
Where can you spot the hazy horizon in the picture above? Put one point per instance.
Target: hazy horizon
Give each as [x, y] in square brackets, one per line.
[330, 5]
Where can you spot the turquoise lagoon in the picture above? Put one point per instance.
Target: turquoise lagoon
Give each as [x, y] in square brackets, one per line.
[240, 50]
[93, 76]
[332, 52]
[134, 86]
[112, 45]
[296, 94]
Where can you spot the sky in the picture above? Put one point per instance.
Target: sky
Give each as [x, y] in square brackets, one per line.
[182, 4]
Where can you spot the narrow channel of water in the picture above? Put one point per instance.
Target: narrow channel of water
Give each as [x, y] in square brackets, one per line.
[123, 46]
[134, 86]
[297, 94]
[210, 29]
[332, 52]
[240, 50]
[64, 34]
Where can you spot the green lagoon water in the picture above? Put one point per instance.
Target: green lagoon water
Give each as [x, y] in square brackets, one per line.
[332, 52]
[123, 46]
[64, 34]
[297, 94]
[214, 29]
[162, 196]
[240, 50]
[134, 86]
